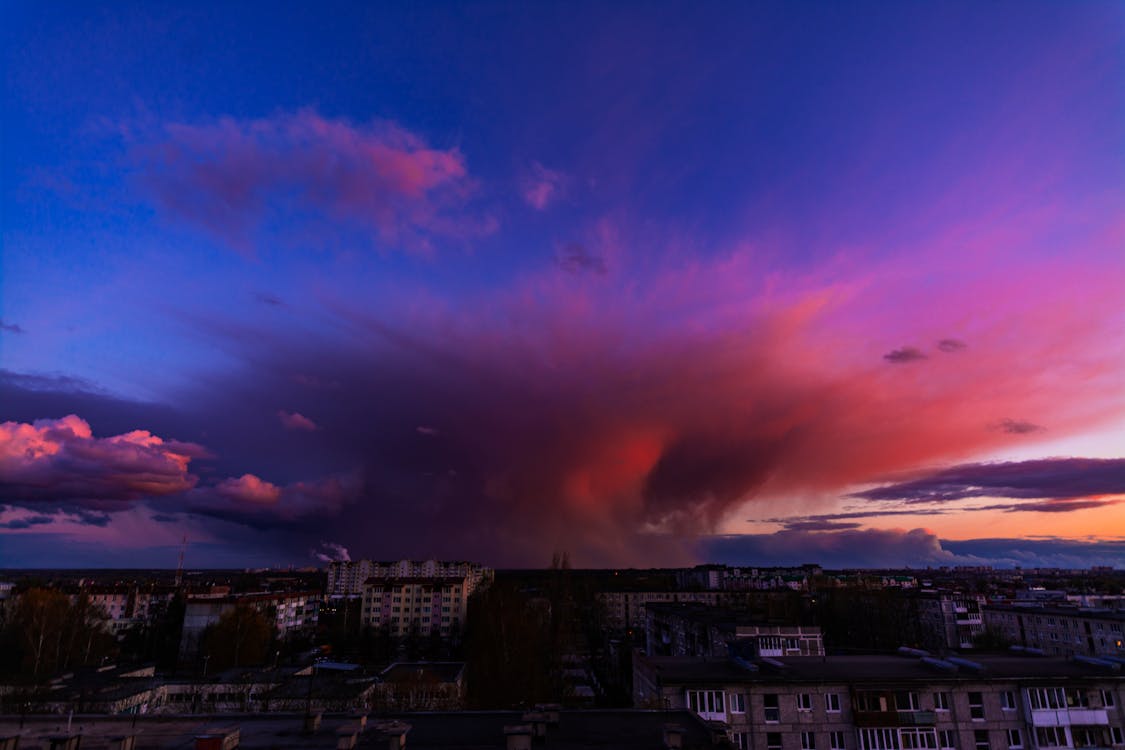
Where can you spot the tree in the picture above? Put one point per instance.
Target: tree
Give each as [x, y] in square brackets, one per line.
[52, 633]
[241, 637]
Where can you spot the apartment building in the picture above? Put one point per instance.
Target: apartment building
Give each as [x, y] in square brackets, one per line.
[347, 577]
[288, 610]
[952, 619]
[419, 606]
[627, 609]
[693, 629]
[893, 702]
[1060, 631]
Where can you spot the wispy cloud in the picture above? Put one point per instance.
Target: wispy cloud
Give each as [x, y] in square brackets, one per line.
[1051, 478]
[243, 180]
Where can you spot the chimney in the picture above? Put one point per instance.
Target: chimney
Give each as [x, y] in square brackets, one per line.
[518, 736]
[673, 736]
[538, 722]
[395, 733]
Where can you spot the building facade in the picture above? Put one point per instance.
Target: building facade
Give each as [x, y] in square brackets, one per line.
[953, 619]
[429, 606]
[692, 629]
[894, 703]
[1060, 631]
[347, 577]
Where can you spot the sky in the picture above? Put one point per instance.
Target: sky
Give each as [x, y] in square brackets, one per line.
[650, 283]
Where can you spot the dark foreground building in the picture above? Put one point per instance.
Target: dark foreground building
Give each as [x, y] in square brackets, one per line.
[471, 730]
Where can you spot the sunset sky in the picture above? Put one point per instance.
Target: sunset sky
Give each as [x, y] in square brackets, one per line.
[651, 283]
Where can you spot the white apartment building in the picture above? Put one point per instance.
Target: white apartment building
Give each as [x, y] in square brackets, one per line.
[424, 606]
[347, 577]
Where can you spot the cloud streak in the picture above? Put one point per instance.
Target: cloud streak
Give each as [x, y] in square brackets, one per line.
[1056, 479]
[244, 179]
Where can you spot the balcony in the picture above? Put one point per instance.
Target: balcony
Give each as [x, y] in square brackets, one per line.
[894, 718]
[1063, 717]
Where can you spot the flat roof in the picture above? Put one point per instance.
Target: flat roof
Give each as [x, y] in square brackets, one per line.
[873, 669]
[624, 729]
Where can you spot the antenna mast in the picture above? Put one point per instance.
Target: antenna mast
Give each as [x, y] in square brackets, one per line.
[180, 567]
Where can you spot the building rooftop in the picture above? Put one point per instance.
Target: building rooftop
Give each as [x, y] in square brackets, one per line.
[723, 618]
[1032, 608]
[435, 671]
[625, 729]
[873, 669]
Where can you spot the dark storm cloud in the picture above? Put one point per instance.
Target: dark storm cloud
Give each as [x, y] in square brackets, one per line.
[821, 525]
[951, 345]
[889, 548]
[1050, 506]
[1017, 426]
[27, 522]
[1049, 478]
[575, 258]
[904, 355]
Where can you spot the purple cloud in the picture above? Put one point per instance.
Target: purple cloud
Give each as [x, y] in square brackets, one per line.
[904, 355]
[238, 179]
[1048, 478]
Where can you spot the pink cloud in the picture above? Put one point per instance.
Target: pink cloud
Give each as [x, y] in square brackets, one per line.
[249, 489]
[239, 178]
[59, 462]
[542, 186]
[251, 499]
[296, 421]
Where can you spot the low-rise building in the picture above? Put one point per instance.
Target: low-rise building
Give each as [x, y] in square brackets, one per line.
[894, 702]
[693, 629]
[420, 686]
[1060, 631]
[289, 611]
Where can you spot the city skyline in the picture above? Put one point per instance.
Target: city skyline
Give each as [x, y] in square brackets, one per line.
[753, 284]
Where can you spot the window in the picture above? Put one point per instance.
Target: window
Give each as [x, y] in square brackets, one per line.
[836, 740]
[741, 740]
[941, 701]
[1043, 698]
[918, 739]
[976, 706]
[737, 703]
[1087, 736]
[879, 738]
[1008, 700]
[906, 701]
[772, 712]
[1015, 739]
[773, 740]
[980, 739]
[1118, 738]
[1077, 698]
[832, 703]
[1050, 736]
[947, 739]
[1107, 699]
[808, 741]
[707, 703]
[804, 702]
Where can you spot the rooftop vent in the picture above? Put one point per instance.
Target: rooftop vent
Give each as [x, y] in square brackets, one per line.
[939, 664]
[972, 666]
[914, 652]
[1099, 662]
